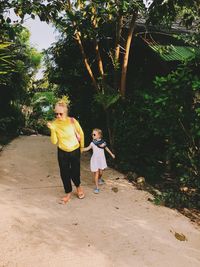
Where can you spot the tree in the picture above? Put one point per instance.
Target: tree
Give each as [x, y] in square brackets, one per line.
[185, 12]
[88, 21]
[20, 62]
[84, 20]
[109, 28]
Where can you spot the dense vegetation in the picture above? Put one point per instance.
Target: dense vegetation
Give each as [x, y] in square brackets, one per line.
[151, 121]
[158, 134]
[18, 64]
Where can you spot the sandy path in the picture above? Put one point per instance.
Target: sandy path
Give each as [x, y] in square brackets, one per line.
[109, 229]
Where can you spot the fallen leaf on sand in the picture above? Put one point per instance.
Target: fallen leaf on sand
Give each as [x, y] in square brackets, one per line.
[115, 189]
[180, 237]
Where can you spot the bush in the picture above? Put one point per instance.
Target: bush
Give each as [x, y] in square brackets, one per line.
[11, 124]
[157, 133]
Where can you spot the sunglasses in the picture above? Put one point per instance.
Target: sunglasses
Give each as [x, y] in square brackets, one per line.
[60, 114]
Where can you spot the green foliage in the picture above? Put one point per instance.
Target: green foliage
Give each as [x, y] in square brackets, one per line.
[18, 62]
[192, 38]
[65, 69]
[134, 140]
[175, 198]
[9, 125]
[164, 12]
[6, 60]
[176, 109]
[157, 132]
[42, 106]
[107, 98]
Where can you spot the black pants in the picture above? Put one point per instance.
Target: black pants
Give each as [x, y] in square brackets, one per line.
[69, 163]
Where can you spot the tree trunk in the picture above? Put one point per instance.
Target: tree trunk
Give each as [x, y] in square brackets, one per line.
[85, 60]
[84, 56]
[126, 56]
[117, 51]
[97, 50]
[118, 36]
[99, 60]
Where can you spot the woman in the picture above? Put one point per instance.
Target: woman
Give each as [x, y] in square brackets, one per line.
[69, 137]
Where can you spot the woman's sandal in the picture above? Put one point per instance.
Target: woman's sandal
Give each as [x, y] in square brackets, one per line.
[64, 201]
[80, 193]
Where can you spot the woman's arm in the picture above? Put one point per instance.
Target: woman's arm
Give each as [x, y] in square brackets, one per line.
[54, 138]
[108, 150]
[80, 131]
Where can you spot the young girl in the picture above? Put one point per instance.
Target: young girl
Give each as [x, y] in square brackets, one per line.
[98, 160]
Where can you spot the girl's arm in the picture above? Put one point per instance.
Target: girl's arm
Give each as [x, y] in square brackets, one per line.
[108, 150]
[86, 148]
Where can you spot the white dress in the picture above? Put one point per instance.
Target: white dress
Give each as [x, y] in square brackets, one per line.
[98, 159]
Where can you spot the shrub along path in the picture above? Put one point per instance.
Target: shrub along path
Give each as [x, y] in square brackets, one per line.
[118, 227]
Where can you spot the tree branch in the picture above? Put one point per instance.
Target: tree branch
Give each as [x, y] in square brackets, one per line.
[84, 56]
[126, 56]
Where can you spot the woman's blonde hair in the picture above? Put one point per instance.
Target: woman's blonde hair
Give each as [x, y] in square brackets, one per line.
[99, 131]
[63, 102]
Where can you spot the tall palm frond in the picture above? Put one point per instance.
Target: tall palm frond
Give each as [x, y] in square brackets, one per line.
[6, 60]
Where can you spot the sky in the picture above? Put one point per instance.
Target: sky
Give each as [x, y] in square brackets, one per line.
[42, 35]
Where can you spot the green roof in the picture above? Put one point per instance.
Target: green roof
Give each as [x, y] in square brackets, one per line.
[174, 53]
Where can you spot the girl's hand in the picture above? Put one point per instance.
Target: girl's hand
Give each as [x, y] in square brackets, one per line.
[113, 156]
[85, 149]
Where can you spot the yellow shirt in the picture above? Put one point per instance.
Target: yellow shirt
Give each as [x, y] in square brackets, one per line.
[63, 134]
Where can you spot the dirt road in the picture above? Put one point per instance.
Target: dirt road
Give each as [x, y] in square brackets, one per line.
[113, 229]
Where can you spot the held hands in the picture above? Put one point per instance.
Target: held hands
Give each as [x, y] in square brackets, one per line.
[84, 149]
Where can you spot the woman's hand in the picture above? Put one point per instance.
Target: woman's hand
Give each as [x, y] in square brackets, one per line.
[50, 125]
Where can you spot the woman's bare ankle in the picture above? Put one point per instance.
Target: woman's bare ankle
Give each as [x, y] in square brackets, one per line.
[67, 196]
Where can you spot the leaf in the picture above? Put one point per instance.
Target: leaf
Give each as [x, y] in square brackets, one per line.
[115, 189]
[160, 100]
[180, 237]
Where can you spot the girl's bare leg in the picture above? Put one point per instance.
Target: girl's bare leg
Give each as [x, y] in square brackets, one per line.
[96, 179]
[100, 173]
[101, 181]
